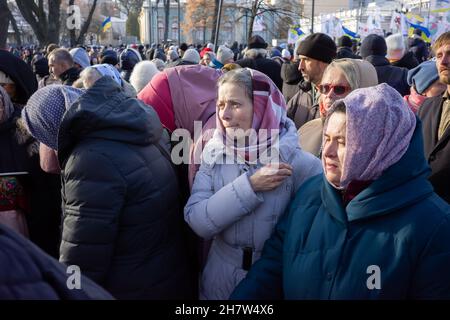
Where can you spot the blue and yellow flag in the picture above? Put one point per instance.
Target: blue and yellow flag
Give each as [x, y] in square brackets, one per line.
[350, 34]
[106, 24]
[426, 34]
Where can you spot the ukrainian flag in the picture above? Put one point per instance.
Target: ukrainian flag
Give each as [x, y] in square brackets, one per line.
[426, 34]
[350, 34]
[106, 24]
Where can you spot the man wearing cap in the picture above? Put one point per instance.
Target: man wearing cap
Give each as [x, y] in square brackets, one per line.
[418, 46]
[344, 49]
[435, 116]
[255, 58]
[315, 54]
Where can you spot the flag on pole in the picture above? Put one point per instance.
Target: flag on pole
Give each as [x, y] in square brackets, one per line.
[351, 34]
[426, 34]
[106, 24]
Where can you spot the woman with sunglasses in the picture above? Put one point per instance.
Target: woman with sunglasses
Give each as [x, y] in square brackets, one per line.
[341, 77]
[371, 227]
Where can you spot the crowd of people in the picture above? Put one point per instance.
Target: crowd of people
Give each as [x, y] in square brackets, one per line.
[314, 171]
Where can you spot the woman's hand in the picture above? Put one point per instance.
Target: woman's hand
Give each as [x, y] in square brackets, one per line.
[270, 176]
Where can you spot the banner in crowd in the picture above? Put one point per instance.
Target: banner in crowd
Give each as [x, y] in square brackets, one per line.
[440, 6]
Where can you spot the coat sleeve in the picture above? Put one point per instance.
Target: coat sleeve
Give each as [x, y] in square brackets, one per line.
[209, 213]
[432, 277]
[93, 193]
[264, 281]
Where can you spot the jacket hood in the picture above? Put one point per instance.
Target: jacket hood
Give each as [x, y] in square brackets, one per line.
[106, 112]
[290, 73]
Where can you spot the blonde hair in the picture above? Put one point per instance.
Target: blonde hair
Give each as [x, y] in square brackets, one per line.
[442, 40]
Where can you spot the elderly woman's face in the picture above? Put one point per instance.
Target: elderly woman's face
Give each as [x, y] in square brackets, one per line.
[235, 108]
[334, 147]
[206, 60]
[334, 86]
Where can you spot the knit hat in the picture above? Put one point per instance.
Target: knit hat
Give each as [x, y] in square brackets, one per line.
[373, 45]
[286, 54]
[423, 76]
[80, 57]
[395, 46]
[275, 53]
[191, 55]
[256, 42]
[224, 54]
[344, 41]
[318, 46]
[210, 46]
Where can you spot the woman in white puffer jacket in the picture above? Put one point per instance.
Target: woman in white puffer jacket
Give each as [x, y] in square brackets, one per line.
[241, 189]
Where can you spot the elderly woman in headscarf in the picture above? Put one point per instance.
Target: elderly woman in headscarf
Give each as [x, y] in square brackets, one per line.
[251, 169]
[341, 77]
[120, 212]
[370, 227]
[25, 190]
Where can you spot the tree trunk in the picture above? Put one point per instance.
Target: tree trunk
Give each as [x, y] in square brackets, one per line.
[46, 31]
[255, 7]
[86, 24]
[4, 23]
[166, 19]
[16, 29]
[72, 34]
[54, 12]
[214, 22]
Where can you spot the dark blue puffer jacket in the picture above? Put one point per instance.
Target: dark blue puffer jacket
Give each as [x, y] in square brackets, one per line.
[27, 272]
[122, 223]
[323, 250]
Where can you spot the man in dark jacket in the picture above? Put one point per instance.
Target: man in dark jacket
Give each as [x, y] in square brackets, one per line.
[61, 65]
[435, 116]
[121, 223]
[315, 52]
[374, 50]
[255, 58]
[418, 47]
[344, 49]
[27, 273]
[291, 79]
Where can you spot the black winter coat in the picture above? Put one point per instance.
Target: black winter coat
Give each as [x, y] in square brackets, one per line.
[291, 78]
[408, 61]
[346, 52]
[394, 76]
[28, 273]
[43, 190]
[437, 151]
[121, 221]
[69, 76]
[419, 48]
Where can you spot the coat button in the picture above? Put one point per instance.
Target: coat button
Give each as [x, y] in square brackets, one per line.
[432, 157]
[329, 276]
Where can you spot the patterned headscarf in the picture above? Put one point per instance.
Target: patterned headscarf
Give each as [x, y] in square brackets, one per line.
[6, 105]
[269, 112]
[379, 127]
[108, 70]
[45, 109]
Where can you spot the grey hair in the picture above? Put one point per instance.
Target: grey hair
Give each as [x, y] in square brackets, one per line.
[241, 76]
[348, 69]
[89, 76]
[255, 53]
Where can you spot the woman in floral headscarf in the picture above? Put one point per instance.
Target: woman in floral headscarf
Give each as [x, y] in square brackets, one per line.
[240, 190]
[371, 226]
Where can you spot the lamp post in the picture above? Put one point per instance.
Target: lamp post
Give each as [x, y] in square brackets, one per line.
[312, 16]
[179, 18]
[219, 14]
[149, 3]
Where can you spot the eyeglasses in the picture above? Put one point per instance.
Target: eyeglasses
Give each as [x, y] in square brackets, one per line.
[338, 90]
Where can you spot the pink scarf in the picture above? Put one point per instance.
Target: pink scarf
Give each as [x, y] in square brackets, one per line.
[414, 100]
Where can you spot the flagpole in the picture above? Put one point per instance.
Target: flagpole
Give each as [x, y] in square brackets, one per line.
[216, 38]
[312, 17]
[428, 19]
